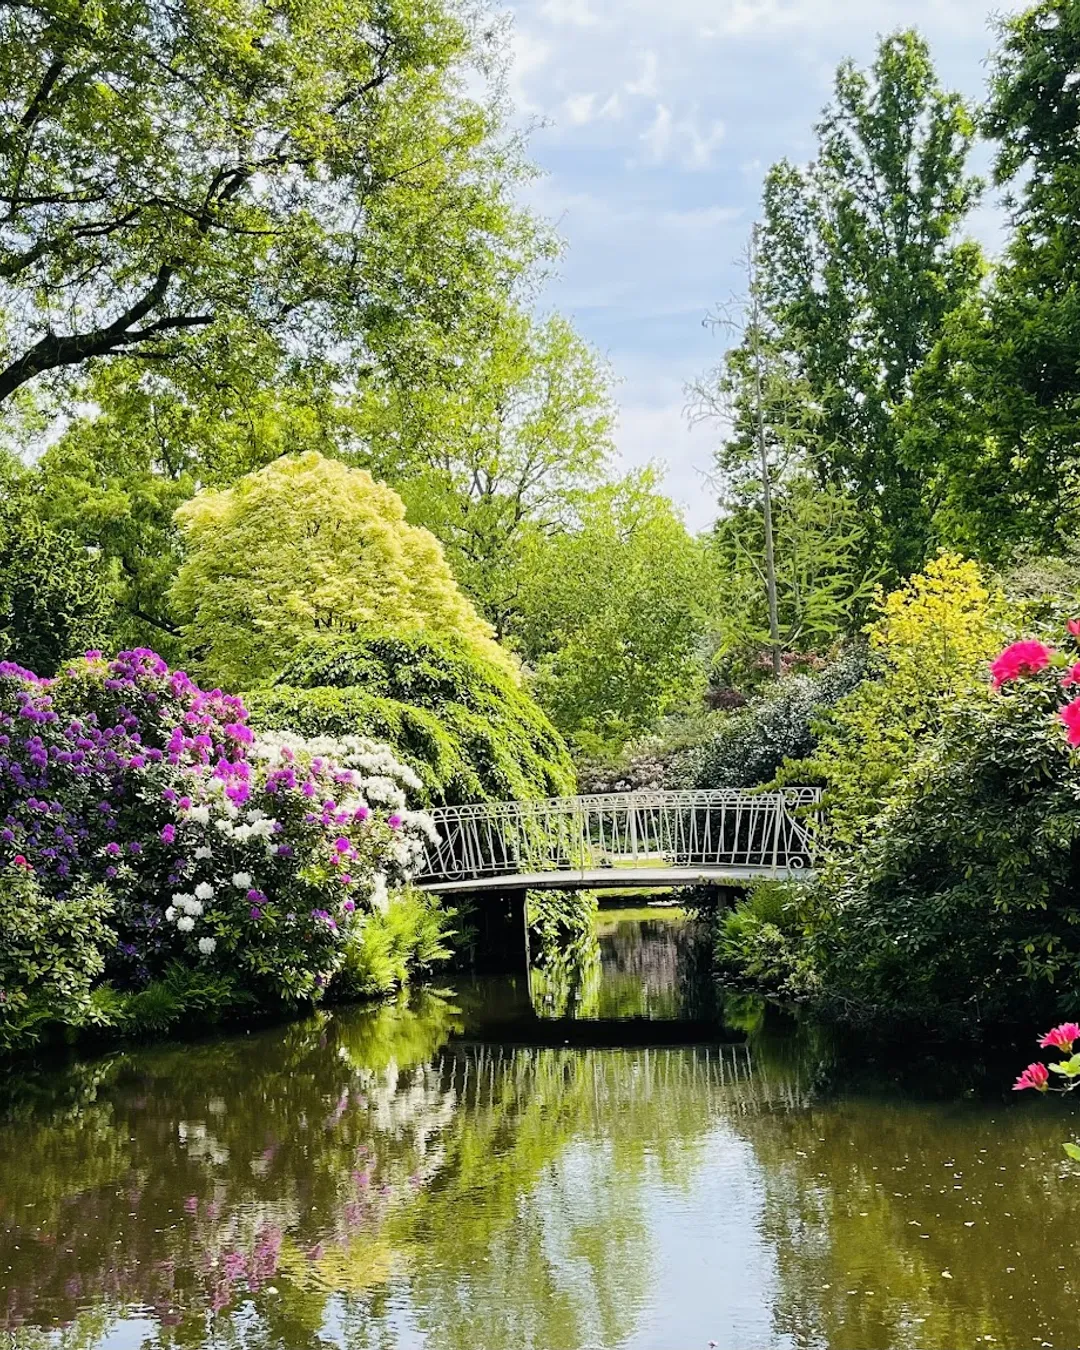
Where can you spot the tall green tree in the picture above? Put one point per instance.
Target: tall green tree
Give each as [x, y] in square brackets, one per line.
[862, 264]
[496, 448]
[994, 425]
[54, 594]
[316, 170]
[613, 611]
[789, 551]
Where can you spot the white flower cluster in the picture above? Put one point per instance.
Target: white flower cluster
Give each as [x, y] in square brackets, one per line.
[347, 752]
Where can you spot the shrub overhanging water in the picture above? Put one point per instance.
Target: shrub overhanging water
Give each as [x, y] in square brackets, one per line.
[259, 856]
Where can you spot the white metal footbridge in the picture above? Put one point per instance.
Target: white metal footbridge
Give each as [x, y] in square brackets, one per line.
[623, 839]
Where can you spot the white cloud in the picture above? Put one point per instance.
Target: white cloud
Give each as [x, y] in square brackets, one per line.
[645, 85]
[579, 109]
[657, 138]
[569, 13]
[682, 139]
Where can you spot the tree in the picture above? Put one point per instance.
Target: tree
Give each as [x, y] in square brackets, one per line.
[861, 267]
[788, 550]
[822, 584]
[150, 437]
[304, 546]
[495, 448]
[54, 600]
[994, 423]
[312, 170]
[613, 613]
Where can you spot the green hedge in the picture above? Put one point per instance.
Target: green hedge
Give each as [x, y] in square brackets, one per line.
[465, 726]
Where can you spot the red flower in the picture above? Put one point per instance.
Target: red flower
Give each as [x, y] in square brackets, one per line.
[1070, 716]
[1022, 658]
[1062, 1037]
[1034, 1076]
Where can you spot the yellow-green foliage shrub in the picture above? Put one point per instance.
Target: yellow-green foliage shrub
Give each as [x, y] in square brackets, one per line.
[308, 545]
[930, 643]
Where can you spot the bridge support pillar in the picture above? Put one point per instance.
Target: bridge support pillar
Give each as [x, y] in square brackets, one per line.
[502, 933]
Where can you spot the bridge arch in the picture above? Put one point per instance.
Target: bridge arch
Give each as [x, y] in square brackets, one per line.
[623, 839]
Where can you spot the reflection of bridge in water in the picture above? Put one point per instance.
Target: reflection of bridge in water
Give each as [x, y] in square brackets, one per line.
[724, 1077]
[623, 839]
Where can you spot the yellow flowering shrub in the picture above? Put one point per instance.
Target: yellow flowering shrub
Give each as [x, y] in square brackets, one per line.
[931, 640]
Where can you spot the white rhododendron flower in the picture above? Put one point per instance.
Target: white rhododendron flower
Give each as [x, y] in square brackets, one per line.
[170, 914]
[207, 945]
[204, 891]
[380, 896]
[185, 923]
[203, 852]
[242, 880]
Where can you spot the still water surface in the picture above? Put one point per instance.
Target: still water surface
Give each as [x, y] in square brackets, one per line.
[455, 1173]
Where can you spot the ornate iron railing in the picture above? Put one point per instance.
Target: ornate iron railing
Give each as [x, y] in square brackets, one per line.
[768, 832]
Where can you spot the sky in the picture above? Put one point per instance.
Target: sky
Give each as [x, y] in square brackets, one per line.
[656, 121]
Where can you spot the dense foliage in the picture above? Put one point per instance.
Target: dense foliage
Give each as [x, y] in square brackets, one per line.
[54, 600]
[123, 784]
[462, 723]
[748, 746]
[612, 616]
[929, 643]
[176, 170]
[308, 545]
[963, 899]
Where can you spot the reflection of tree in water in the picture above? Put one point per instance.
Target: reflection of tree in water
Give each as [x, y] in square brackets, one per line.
[655, 968]
[345, 1167]
[916, 1225]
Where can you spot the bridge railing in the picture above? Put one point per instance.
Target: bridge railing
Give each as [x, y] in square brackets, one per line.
[760, 831]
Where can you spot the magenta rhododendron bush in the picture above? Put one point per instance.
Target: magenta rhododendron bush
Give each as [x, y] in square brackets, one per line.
[259, 856]
[1030, 657]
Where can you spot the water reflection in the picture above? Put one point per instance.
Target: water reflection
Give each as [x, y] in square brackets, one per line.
[388, 1179]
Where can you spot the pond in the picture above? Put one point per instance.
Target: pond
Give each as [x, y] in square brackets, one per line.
[619, 1157]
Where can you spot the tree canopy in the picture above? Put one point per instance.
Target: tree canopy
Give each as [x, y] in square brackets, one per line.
[315, 170]
[309, 545]
[862, 263]
[462, 722]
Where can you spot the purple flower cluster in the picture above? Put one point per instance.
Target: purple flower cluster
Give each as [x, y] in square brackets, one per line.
[74, 752]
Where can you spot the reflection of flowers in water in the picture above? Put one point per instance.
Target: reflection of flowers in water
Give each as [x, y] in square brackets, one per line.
[191, 1184]
[238, 1248]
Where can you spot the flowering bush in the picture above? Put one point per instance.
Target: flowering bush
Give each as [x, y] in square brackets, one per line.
[963, 903]
[1037, 1075]
[260, 856]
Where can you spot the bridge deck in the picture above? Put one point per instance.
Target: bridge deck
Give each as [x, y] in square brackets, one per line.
[614, 878]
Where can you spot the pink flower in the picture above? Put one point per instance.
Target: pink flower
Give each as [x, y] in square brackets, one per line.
[168, 834]
[1034, 1076]
[1061, 1038]
[1070, 716]
[342, 845]
[20, 861]
[1074, 627]
[395, 821]
[1022, 658]
[1071, 676]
